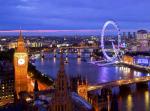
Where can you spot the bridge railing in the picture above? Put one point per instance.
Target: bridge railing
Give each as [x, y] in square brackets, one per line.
[120, 82]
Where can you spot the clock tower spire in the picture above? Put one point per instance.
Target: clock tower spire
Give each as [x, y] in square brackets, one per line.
[21, 66]
[20, 44]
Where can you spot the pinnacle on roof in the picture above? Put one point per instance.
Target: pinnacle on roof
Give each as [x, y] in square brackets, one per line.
[20, 37]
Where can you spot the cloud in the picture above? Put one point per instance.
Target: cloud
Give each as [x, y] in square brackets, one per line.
[22, 7]
[73, 14]
[24, 0]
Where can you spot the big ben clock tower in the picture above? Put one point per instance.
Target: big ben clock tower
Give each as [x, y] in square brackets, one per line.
[21, 66]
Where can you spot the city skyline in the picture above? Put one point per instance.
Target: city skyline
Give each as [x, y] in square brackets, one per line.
[81, 32]
[74, 55]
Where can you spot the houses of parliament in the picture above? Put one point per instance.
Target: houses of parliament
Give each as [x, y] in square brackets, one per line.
[62, 97]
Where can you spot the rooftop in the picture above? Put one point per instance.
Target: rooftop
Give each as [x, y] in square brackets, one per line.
[142, 31]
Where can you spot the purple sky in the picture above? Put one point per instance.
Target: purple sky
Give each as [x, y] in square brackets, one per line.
[73, 15]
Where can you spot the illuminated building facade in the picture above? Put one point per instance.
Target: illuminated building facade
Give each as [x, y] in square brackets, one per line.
[142, 60]
[21, 66]
[12, 45]
[34, 44]
[100, 101]
[6, 90]
[138, 60]
[128, 59]
[143, 41]
[83, 89]
[6, 83]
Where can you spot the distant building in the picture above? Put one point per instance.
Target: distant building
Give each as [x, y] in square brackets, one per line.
[129, 35]
[124, 36]
[140, 41]
[82, 88]
[142, 60]
[35, 44]
[143, 41]
[142, 34]
[12, 45]
[6, 83]
[100, 100]
[1, 48]
[134, 35]
[138, 60]
[128, 59]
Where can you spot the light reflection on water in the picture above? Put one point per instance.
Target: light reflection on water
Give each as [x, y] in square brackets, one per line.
[79, 60]
[135, 101]
[94, 73]
[147, 98]
[129, 102]
[138, 101]
[54, 60]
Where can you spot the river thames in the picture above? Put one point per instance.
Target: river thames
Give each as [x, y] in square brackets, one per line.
[137, 100]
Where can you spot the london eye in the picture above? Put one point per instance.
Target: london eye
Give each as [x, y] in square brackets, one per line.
[116, 50]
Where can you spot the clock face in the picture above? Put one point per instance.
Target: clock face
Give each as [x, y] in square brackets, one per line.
[21, 61]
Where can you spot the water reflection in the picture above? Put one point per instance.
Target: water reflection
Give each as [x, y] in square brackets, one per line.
[77, 66]
[54, 60]
[91, 59]
[125, 70]
[42, 61]
[147, 103]
[133, 102]
[66, 58]
[103, 76]
[79, 60]
[137, 74]
[129, 102]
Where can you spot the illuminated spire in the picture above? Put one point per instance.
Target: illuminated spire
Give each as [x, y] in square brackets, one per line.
[61, 63]
[62, 96]
[20, 36]
[20, 43]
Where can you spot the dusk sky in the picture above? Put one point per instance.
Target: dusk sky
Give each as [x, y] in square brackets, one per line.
[73, 14]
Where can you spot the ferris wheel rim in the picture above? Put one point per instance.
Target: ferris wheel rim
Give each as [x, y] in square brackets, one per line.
[102, 40]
